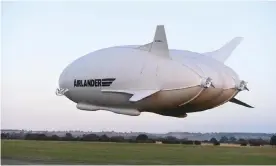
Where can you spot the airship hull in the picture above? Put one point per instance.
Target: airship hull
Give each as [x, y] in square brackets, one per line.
[151, 78]
[224, 97]
[204, 99]
[145, 72]
[224, 80]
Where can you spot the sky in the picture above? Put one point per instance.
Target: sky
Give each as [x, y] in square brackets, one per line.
[40, 38]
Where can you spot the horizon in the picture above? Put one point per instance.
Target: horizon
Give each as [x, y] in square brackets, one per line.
[139, 131]
[39, 39]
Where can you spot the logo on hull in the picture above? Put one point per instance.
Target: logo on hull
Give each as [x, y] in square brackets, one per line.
[94, 82]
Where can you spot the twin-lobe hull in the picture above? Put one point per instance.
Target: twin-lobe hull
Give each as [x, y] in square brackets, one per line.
[151, 78]
[176, 84]
[224, 97]
[164, 102]
[224, 81]
[210, 100]
[167, 99]
[202, 101]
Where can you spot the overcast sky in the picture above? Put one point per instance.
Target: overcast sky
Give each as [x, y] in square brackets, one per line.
[39, 39]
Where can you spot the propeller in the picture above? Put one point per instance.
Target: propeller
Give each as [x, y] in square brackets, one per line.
[207, 82]
[242, 86]
[61, 91]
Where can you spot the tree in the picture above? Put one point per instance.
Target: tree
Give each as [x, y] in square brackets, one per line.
[187, 142]
[117, 139]
[254, 142]
[55, 137]
[35, 136]
[273, 140]
[30, 136]
[90, 137]
[16, 135]
[197, 143]
[214, 141]
[104, 138]
[4, 135]
[68, 137]
[233, 139]
[242, 142]
[172, 140]
[223, 139]
[142, 138]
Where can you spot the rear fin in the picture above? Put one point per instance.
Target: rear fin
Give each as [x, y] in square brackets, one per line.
[145, 47]
[159, 46]
[137, 95]
[236, 101]
[225, 51]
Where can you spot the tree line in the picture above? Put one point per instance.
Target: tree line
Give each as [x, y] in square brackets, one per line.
[142, 138]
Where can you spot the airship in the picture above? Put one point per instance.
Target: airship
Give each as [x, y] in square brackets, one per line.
[131, 79]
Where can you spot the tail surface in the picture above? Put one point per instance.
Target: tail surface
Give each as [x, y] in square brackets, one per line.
[225, 51]
[236, 101]
[159, 46]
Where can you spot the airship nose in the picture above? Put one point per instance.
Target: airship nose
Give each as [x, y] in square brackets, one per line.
[63, 82]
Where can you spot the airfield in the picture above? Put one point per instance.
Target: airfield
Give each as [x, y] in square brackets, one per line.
[75, 152]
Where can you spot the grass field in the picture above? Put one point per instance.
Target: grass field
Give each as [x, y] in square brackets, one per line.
[124, 153]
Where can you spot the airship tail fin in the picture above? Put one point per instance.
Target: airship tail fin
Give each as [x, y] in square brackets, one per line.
[225, 51]
[137, 95]
[159, 46]
[236, 101]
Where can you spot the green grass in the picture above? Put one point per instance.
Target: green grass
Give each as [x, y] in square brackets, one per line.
[124, 153]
